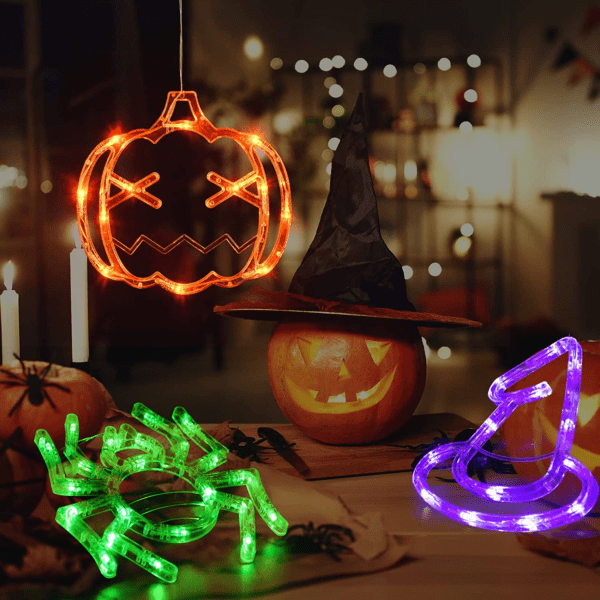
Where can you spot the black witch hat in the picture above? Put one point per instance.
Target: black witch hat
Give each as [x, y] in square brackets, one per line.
[348, 270]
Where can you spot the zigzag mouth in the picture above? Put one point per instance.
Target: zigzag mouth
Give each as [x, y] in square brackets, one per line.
[184, 238]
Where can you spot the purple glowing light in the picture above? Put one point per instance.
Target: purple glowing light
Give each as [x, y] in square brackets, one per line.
[561, 462]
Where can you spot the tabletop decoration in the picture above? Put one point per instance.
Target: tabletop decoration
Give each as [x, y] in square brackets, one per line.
[346, 362]
[561, 461]
[536, 425]
[478, 466]
[80, 476]
[80, 343]
[37, 394]
[9, 316]
[329, 538]
[251, 144]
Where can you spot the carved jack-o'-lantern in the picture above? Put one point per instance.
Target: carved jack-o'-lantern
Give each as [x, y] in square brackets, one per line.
[532, 429]
[346, 383]
[251, 144]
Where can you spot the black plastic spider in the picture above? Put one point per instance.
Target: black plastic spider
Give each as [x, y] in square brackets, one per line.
[329, 538]
[244, 445]
[35, 384]
[478, 466]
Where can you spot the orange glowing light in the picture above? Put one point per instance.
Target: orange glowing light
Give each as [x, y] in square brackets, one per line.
[251, 143]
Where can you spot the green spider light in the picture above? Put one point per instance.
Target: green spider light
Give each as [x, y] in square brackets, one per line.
[79, 476]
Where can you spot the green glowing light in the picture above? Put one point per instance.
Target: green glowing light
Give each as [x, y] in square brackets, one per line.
[79, 476]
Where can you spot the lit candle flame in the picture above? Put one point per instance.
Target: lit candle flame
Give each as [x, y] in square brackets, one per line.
[9, 273]
[76, 236]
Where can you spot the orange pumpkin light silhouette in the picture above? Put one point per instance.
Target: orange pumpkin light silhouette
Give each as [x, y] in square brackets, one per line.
[256, 266]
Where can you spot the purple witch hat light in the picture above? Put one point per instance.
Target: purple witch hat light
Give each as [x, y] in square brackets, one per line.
[561, 462]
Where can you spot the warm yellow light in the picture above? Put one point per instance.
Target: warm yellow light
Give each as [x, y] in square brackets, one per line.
[253, 47]
[46, 186]
[408, 272]
[329, 81]
[444, 64]
[390, 71]
[327, 155]
[276, 63]
[328, 122]
[338, 110]
[467, 229]
[325, 64]
[336, 90]
[419, 68]
[444, 352]
[285, 122]
[434, 269]
[466, 127]
[378, 170]
[470, 95]
[333, 143]
[474, 61]
[411, 191]
[360, 64]
[410, 170]
[9, 274]
[338, 61]
[389, 173]
[462, 245]
[301, 66]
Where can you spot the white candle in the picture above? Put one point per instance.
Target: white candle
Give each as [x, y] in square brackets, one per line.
[9, 313]
[80, 344]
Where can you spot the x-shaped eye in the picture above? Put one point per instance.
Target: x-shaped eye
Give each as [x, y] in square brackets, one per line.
[133, 190]
[233, 188]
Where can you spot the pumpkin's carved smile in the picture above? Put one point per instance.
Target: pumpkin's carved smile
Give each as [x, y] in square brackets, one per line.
[358, 401]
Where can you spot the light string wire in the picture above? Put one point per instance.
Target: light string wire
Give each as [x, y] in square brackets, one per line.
[180, 45]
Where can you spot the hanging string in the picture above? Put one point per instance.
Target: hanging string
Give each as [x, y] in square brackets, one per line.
[180, 46]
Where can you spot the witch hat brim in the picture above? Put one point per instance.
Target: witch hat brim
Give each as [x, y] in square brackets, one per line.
[348, 270]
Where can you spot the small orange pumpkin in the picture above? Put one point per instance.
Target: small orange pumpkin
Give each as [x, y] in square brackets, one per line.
[36, 395]
[532, 429]
[21, 482]
[346, 382]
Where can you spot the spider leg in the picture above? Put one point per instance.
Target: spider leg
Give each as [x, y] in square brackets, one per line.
[245, 509]
[13, 383]
[23, 367]
[44, 371]
[18, 402]
[72, 518]
[13, 375]
[45, 396]
[216, 453]
[115, 539]
[250, 478]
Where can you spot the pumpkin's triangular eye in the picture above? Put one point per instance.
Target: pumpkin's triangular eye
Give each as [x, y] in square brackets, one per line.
[378, 350]
[309, 349]
[344, 373]
[588, 406]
